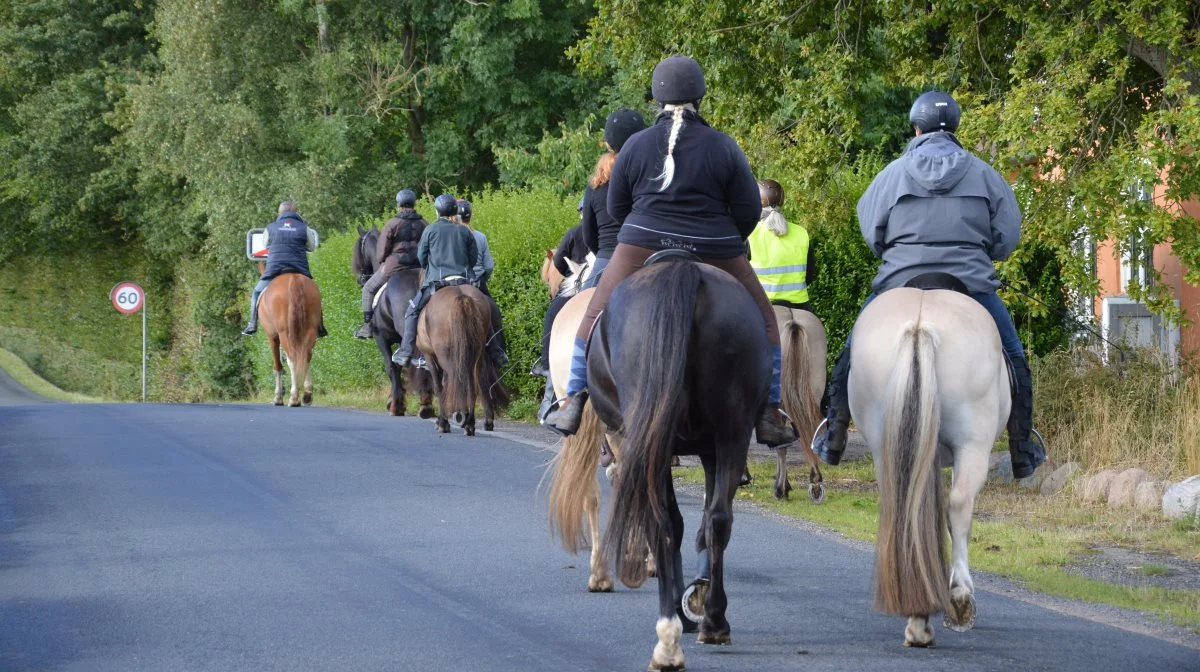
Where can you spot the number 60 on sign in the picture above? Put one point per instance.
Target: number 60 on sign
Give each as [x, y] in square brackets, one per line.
[127, 297]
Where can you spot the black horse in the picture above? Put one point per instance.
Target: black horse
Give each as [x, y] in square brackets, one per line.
[678, 364]
[388, 322]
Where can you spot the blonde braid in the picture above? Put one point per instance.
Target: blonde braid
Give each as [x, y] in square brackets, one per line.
[668, 173]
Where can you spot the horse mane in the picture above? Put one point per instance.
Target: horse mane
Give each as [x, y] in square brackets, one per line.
[360, 261]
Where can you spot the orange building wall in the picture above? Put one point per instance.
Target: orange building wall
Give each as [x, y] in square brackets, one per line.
[1108, 271]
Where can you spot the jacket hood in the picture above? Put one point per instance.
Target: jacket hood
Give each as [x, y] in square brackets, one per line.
[936, 161]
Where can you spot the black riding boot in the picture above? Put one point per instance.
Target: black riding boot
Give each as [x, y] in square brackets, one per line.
[1023, 446]
[547, 400]
[253, 326]
[831, 443]
[405, 351]
[495, 350]
[321, 331]
[566, 419]
[364, 331]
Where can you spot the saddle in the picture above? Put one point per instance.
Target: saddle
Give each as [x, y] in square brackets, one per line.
[669, 255]
[937, 280]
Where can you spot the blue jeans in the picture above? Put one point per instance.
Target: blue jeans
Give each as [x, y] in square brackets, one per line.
[258, 290]
[995, 307]
[594, 278]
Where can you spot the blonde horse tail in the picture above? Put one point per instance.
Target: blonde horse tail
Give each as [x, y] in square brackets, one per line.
[911, 576]
[798, 401]
[573, 480]
[468, 334]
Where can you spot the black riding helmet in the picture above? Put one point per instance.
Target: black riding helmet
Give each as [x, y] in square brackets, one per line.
[935, 111]
[464, 210]
[445, 205]
[677, 80]
[405, 198]
[620, 126]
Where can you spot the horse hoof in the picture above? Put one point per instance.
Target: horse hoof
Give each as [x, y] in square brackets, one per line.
[783, 492]
[922, 639]
[604, 585]
[443, 427]
[308, 399]
[694, 597]
[611, 472]
[279, 402]
[426, 412]
[721, 639]
[294, 403]
[489, 426]
[961, 616]
[816, 492]
[459, 418]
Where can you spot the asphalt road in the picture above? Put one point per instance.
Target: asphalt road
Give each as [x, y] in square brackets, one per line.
[153, 537]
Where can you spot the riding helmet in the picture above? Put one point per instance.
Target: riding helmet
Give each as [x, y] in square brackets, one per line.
[678, 79]
[445, 205]
[405, 198]
[464, 210]
[770, 193]
[935, 111]
[620, 125]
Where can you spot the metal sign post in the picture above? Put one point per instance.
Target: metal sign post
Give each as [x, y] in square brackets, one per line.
[129, 298]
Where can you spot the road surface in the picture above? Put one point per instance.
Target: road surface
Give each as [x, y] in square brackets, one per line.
[240, 537]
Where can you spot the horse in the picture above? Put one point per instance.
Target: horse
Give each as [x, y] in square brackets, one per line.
[678, 365]
[452, 332]
[928, 386]
[805, 347]
[290, 312]
[388, 322]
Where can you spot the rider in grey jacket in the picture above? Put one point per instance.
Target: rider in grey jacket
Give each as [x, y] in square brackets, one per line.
[939, 209]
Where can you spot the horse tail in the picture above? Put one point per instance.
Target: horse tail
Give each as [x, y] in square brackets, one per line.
[651, 418]
[468, 333]
[574, 477]
[911, 577]
[798, 400]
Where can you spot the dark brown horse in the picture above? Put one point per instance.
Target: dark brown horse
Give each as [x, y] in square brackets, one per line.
[453, 333]
[678, 365]
[290, 312]
[388, 322]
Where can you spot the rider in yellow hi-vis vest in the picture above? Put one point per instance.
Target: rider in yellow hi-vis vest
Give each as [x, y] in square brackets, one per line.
[780, 253]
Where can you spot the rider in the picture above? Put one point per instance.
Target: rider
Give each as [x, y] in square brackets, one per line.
[599, 229]
[288, 240]
[775, 246]
[570, 246]
[447, 252]
[395, 251]
[680, 185]
[938, 208]
[483, 268]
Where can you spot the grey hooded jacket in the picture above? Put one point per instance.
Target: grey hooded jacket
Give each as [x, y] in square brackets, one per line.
[938, 208]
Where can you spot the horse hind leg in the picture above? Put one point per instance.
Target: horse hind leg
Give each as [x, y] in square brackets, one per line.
[918, 633]
[278, 368]
[668, 654]
[970, 472]
[308, 388]
[718, 522]
[600, 580]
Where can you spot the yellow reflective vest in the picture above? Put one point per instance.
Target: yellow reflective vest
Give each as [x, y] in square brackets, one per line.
[781, 262]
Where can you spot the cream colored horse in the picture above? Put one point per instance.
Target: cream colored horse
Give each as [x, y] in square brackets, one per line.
[928, 387]
[805, 347]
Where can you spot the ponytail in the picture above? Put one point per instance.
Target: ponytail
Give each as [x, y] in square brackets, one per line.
[773, 219]
[668, 173]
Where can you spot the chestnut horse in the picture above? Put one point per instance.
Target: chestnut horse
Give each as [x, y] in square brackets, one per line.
[453, 333]
[290, 312]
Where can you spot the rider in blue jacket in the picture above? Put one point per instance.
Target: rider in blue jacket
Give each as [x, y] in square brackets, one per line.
[938, 208]
[288, 240]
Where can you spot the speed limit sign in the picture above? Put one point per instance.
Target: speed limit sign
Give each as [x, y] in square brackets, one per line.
[128, 297]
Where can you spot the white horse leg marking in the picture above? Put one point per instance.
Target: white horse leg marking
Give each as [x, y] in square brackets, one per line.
[667, 653]
[970, 472]
[294, 398]
[278, 387]
[918, 633]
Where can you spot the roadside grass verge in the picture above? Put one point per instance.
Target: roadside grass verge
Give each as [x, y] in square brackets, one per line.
[1016, 534]
[30, 380]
